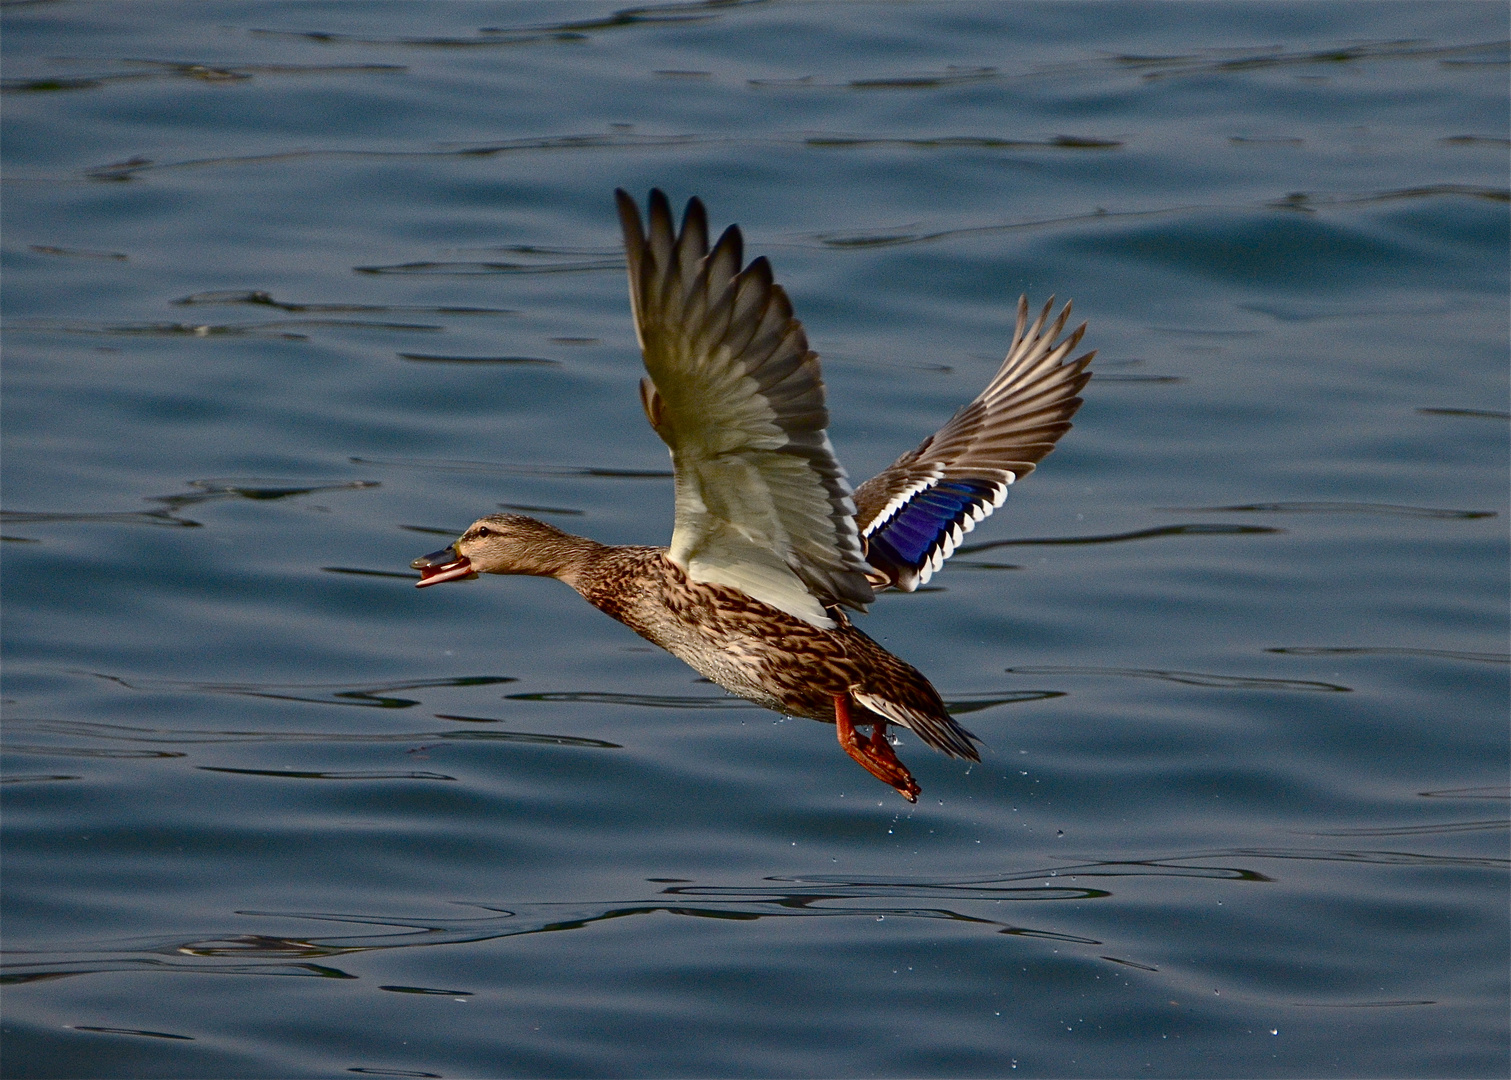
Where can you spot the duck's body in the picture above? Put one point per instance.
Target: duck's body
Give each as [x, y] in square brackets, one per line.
[769, 542]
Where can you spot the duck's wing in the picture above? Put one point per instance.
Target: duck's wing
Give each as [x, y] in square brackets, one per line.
[734, 391]
[913, 513]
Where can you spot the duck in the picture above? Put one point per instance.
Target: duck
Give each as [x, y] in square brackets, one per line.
[771, 548]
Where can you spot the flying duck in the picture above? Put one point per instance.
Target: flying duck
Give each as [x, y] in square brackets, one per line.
[770, 544]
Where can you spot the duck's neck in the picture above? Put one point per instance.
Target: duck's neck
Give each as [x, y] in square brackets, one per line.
[563, 556]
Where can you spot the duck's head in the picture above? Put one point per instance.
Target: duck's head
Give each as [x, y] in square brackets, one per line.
[496, 544]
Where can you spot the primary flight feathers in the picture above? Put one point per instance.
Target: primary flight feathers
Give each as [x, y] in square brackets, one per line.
[762, 504]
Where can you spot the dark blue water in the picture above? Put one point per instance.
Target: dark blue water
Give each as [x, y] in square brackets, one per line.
[293, 292]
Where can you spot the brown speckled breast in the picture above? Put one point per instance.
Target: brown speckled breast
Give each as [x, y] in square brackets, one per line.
[747, 647]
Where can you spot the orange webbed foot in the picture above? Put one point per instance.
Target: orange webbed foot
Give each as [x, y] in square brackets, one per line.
[875, 754]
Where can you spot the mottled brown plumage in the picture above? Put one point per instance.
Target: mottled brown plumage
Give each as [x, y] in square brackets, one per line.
[751, 649]
[768, 543]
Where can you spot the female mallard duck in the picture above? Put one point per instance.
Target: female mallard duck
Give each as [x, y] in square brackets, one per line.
[770, 542]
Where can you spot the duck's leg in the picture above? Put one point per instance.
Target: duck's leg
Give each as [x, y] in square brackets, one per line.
[874, 754]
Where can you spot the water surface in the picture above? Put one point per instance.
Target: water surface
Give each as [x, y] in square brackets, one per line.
[293, 292]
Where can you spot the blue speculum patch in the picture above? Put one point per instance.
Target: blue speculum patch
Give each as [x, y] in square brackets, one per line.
[917, 529]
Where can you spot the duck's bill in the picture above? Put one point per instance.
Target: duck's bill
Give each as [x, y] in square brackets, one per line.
[443, 565]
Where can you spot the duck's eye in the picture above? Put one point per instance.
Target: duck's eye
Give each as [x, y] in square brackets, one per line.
[483, 530]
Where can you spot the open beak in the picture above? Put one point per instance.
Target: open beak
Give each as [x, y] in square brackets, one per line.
[443, 565]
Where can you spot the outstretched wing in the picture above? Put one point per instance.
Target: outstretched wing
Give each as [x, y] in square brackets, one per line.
[762, 504]
[914, 513]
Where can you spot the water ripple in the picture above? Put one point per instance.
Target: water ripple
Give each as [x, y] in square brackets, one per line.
[1188, 678]
[282, 328]
[1418, 830]
[190, 736]
[826, 896]
[1487, 414]
[346, 774]
[532, 34]
[1389, 509]
[655, 701]
[262, 298]
[522, 360]
[366, 695]
[1390, 650]
[444, 465]
[256, 489]
[1197, 529]
[178, 69]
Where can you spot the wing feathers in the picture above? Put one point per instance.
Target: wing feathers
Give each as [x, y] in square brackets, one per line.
[738, 397]
[958, 475]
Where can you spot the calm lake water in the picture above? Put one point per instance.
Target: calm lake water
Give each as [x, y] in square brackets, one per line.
[293, 292]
